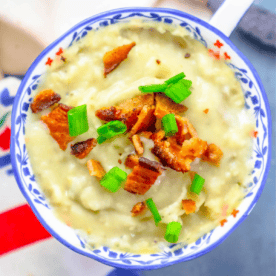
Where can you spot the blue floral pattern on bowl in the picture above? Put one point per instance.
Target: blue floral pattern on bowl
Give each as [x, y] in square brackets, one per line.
[255, 99]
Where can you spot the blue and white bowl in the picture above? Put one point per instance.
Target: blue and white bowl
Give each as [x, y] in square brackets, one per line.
[255, 98]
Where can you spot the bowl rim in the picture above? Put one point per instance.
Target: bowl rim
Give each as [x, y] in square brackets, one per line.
[56, 42]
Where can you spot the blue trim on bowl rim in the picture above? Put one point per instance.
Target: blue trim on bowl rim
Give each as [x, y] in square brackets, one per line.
[94, 18]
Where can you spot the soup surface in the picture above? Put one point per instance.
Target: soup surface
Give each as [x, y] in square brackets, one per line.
[215, 109]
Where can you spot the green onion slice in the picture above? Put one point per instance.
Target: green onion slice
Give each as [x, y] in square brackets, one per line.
[197, 184]
[178, 91]
[119, 174]
[169, 124]
[110, 130]
[175, 78]
[113, 179]
[151, 205]
[77, 120]
[173, 231]
[187, 83]
[101, 139]
[153, 88]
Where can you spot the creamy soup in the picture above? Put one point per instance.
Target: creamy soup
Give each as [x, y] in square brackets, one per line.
[215, 109]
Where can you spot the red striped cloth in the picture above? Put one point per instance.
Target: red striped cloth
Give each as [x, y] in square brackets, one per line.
[19, 227]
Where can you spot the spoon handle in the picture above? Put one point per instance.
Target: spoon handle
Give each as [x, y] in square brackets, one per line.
[228, 16]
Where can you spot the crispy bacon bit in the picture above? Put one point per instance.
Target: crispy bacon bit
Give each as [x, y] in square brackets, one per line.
[165, 105]
[185, 130]
[127, 111]
[140, 180]
[151, 165]
[169, 153]
[222, 222]
[82, 149]
[193, 147]
[57, 122]
[189, 206]
[95, 168]
[138, 209]
[234, 213]
[108, 114]
[145, 120]
[213, 154]
[146, 134]
[192, 175]
[44, 99]
[138, 145]
[158, 61]
[114, 57]
[120, 161]
[132, 160]
[206, 110]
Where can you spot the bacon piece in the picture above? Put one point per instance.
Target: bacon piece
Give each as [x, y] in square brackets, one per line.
[140, 180]
[143, 176]
[185, 130]
[95, 168]
[138, 209]
[146, 134]
[82, 149]
[138, 145]
[164, 105]
[108, 114]
[132, 160]
[189, 206]
[193, 147]
[213, 154]
[57, 122]
[113, 58]
[44, 99]
[127, 111]
[145, 120]
[169, 153]
[151, 165]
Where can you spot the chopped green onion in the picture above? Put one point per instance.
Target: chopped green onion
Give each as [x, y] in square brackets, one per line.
[110, 130]
[175, 78]
[153, 88]
[101, 139]
[169, 124]
[178, 91]
[197, 184]
[119, 174]
[173, 231]
[187, 83]
[77, 120]
[151, 205]
[113, 179]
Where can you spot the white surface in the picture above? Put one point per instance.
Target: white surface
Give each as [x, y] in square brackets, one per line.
[229, 15]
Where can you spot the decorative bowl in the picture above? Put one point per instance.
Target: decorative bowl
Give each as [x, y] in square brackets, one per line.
[255, 99]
